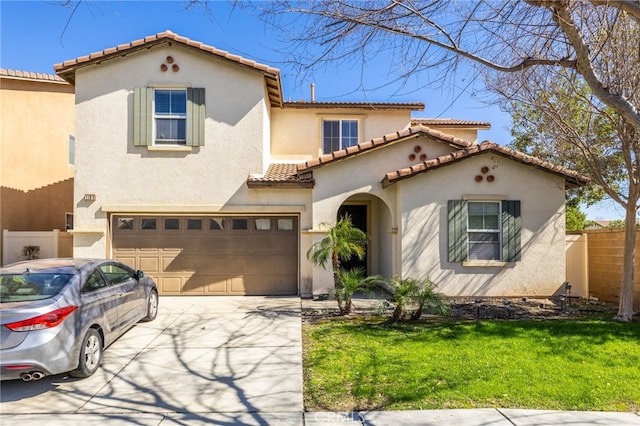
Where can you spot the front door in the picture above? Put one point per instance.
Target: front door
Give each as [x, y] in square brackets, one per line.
[358, 215]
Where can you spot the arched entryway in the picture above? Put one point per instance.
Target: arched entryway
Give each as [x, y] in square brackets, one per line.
[372, 215]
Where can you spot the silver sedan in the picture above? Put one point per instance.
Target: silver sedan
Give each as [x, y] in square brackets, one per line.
[58, 315]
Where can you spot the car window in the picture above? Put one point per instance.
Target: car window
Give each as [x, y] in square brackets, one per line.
[94, 282]
[31, 286]
[116, 274]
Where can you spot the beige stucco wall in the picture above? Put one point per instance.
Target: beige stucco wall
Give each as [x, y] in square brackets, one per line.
[203, 179]
[297, 133]
[37, 120]
[422, 206]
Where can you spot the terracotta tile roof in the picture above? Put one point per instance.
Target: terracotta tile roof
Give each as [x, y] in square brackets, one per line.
[413, 106]
[453, 122]
[27, 75]
[572, 178]
[67, 69]
[410, 132]
[281, 175]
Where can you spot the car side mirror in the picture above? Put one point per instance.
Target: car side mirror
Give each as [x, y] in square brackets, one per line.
[139, 274]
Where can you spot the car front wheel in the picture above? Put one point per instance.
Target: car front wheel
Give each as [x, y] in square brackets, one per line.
[90, 354]
[152, 306]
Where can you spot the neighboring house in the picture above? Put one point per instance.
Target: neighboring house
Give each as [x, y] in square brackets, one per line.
[36, 152]
[192, 167]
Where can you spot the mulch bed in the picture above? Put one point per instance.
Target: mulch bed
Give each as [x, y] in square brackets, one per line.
[466, 308]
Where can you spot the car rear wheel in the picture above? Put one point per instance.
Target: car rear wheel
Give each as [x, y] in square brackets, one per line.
[152, 306]
[90, 354]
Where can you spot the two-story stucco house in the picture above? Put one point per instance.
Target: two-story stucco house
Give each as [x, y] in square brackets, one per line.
[192, 167]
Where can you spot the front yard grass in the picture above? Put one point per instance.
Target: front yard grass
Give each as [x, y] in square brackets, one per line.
[356, 364]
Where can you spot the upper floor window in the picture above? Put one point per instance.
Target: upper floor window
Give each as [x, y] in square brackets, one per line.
[339, 134]
[164, 116]
[170, 116]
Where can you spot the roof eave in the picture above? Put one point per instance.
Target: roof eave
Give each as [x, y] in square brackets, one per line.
[416, 106]
[67, 69]
[282, 185]
[572, 179]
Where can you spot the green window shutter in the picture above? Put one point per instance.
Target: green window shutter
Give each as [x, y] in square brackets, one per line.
[511, 227]
[142, 116]
[195, 116]
[457, 226]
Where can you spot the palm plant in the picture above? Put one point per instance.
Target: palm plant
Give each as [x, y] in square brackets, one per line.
[351, 282]
[421, 294]
[343, 241]
[403, 293]
[428, 300]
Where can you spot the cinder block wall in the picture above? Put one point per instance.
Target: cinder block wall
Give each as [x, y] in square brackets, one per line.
[606, 254]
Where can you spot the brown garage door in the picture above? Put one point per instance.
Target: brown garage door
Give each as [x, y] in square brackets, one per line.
[192, 255]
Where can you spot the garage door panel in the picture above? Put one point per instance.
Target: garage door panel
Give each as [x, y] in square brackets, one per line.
[194, 284]
[237, 285]
[239, 244]
[216, 284]
[129, 260]
[169, 285]
[260, 260]
[149, 264]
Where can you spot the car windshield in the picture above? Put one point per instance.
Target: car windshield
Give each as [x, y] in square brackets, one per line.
[30, 286]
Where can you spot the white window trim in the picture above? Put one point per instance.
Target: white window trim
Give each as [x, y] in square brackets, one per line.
[337, 117]
[169, 143]
[485, 262]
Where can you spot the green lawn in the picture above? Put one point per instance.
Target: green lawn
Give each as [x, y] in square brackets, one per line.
[553, 364]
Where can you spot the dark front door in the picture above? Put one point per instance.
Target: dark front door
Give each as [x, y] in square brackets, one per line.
[358, 215]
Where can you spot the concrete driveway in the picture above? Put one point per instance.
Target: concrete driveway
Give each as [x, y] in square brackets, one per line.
[204, 360]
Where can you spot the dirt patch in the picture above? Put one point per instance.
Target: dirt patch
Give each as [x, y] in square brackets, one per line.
[471, 308]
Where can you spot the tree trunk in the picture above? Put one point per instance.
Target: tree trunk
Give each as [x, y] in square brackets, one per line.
[625, 310]
[335, 263]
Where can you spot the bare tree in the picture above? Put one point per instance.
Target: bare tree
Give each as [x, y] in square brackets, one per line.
[594, 42]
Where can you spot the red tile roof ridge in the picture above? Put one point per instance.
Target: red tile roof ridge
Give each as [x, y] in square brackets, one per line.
[30, 75]
[449, 121]
[413, 131]
[169, 35]
[416, 106]
[572, 177]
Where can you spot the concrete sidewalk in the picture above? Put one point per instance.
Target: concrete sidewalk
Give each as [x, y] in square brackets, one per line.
[474, 417]
[223, 361]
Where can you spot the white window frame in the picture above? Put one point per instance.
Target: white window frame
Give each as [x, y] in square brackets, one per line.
[497, 230]
[183, 117]
[72, 150]
[341, 137]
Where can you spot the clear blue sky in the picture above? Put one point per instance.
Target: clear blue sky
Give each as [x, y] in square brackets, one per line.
[35, 35]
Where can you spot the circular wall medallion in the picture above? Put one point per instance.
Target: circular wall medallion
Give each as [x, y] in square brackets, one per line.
[485, 169]
[479, 178]
[169, 59]
[163, 67]
[423, 157]
[490, 178]
[412, 157]
[175, 67]
[417, 149]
